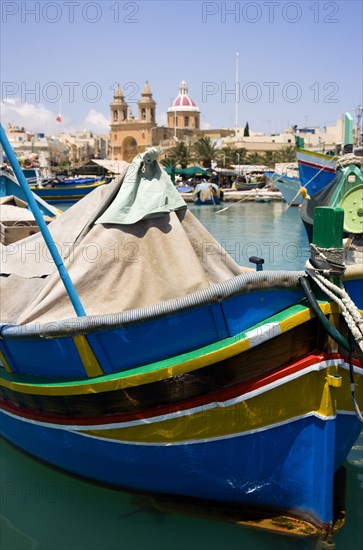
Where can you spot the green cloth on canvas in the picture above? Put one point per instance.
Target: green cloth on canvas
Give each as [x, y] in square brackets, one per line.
[147, 192]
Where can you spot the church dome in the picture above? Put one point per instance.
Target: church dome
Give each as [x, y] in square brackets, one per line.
[183, 102]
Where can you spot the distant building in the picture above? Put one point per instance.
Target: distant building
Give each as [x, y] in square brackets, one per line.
[83, 146]
[183, 112]
[130, 136]
[49, 150]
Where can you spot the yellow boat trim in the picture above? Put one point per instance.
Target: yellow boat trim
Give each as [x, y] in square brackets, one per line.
[292, 399]
[88, 358]
[5, 362]
[314, 154]
[139, 378]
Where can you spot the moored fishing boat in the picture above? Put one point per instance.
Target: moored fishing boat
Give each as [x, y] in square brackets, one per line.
[290, 188]
[345, 191]
[316, 169]
[250, 409]
[9, 186]
[67, 191]
[206, 193]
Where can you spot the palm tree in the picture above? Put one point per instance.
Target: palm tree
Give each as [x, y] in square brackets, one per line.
[182, 154]
[169, 160]
[253, 158]
[227, 157]
[269, 159]
[286, 154]
[206, 151]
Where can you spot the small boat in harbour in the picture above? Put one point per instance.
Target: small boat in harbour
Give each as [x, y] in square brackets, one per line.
[290, 188]
[9, 186]
[206, 193]
[248, 411]
[66, 191]
[16, 218]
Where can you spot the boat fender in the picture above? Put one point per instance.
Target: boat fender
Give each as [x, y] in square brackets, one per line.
[304, 193]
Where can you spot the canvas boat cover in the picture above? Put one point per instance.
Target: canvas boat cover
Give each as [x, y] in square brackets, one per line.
[128, 244]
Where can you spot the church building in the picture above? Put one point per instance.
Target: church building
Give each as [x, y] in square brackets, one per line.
[129, 136]
[183, 112]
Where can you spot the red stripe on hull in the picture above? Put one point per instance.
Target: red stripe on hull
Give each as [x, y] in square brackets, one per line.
[318, 166]
[222, 395]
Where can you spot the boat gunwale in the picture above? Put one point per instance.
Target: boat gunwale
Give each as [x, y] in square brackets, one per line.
[214, 294]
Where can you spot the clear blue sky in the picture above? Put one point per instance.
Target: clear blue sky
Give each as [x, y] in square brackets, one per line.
[311, 51]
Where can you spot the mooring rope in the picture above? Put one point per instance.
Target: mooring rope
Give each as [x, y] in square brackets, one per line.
[349, 310]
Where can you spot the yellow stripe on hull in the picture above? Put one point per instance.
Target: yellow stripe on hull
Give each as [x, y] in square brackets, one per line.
[310, 393]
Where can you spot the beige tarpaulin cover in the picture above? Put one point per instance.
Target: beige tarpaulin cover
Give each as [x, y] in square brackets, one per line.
[113, 267]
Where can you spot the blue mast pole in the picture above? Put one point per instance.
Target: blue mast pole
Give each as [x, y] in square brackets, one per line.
[64, 275]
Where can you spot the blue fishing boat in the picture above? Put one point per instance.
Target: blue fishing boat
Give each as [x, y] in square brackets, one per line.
[68, 190]
[346, 191]
[206, 193]
[289, 186]
[156, 364]
[316, 169]
[9, 186]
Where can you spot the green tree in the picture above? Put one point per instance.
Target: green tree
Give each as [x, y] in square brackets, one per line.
[205, 151]
[180, 155]
[286, 154]
[246, 132]
[269, 159]
[254, 158]
[169, 160]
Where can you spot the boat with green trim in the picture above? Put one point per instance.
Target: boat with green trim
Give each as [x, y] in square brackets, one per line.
[345, 191]
[248, 414]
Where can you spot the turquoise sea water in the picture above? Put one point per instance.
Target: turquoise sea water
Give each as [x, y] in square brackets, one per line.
[44, 509]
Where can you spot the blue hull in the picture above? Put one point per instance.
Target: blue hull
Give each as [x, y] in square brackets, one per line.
[64, 194]
[120, 348]
[318, 178]
[198, 202]
[9, 186]
[283, 467]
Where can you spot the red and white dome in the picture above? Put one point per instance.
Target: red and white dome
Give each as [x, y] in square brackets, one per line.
[183, 102]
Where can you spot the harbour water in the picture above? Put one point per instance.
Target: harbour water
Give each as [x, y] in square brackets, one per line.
[44, 509]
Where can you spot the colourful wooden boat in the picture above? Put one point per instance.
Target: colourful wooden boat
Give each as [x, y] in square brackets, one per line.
[346, 191]
[206, 193]
[9, 186]
[67, 192]
[316, 170]
[249, 410]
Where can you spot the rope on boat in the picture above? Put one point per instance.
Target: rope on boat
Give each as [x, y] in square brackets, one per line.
[339, 295]
[346, 160]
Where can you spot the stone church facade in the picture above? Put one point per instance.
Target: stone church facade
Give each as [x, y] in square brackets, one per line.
[130, 136]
